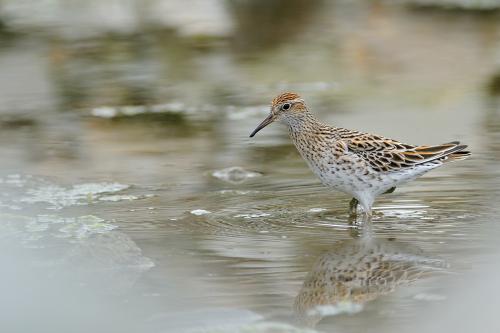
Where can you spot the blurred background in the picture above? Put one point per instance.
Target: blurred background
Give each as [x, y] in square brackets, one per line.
[132, 199]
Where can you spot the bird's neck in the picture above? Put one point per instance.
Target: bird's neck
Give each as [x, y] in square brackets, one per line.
[303, 123]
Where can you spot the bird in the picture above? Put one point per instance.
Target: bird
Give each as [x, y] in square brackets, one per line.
[355, 271]
[362, 165]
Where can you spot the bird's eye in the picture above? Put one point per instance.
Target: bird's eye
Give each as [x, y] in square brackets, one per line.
[285, 106]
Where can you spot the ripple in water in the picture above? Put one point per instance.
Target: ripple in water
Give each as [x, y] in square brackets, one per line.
[253, 215]
[199, 212]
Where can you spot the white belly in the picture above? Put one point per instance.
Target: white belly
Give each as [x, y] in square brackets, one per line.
[352, 175]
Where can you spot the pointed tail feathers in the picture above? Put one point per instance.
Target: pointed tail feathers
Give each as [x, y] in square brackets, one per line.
[447, 152]
[459, 155]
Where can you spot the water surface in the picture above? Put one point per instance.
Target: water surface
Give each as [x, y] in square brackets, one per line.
[129, 184]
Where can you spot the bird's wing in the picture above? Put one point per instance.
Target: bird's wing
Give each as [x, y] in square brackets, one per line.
[385, 155]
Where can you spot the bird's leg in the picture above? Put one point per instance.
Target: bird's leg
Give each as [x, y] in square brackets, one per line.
[352, 220]
[353, 205]
[392, 189]
[355, 227]
[367, 230]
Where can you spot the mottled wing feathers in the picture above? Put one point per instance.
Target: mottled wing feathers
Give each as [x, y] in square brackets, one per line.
[385, 155]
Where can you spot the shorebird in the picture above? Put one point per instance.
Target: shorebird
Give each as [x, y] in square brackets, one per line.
[360, 164]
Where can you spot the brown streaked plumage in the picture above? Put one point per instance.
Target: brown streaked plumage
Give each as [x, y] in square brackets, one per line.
[287, 96]
[360, 164]
[356, 271]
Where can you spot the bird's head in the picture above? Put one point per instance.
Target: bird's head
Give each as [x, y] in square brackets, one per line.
[286, 108]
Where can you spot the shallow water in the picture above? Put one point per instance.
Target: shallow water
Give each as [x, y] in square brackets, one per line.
[131, 194]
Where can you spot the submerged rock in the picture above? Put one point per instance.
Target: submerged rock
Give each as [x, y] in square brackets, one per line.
[235, 174]
[59, 197]
[173, 109]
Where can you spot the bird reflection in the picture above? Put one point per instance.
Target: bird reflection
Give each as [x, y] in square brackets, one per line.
[356, 271]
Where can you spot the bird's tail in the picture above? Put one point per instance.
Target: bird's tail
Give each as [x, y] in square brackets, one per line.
[446, 152]
[459, 155]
